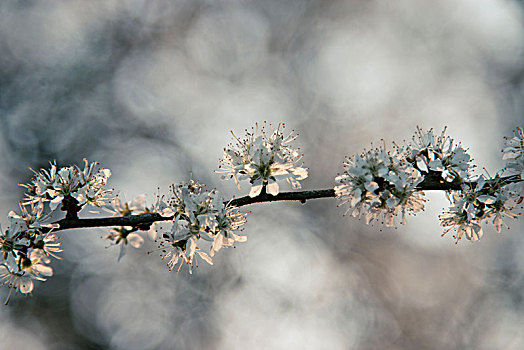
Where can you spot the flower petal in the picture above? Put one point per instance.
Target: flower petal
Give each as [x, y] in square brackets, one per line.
[135, 240]
[272, 187]
[256, 188]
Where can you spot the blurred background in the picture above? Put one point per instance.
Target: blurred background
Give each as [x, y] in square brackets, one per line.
[151, 88]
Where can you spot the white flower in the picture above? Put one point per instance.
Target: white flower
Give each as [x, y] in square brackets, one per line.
[122, 208]
[263, 161]
[162, 207]
[20, 276]
[37, 265]
[380, 182]
[123, 236]
[32, 217]
[184, 252]
[20, 282]
[229, 220]
[49, 245]
[461, 216]
[439, 154]
[25, 248]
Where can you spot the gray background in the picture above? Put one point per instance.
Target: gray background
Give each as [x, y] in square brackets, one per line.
[151, 89]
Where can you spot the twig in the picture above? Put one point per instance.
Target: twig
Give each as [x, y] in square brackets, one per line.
[143, 221]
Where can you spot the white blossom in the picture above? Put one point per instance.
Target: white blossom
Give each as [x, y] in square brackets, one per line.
[20, 282]
[49, 244]
[122, 208]
[432, 153]
[125, 235]
[32, 217]
[263, 160]
[20, 278]
[161, 207]
[377, 183]
[25, 247]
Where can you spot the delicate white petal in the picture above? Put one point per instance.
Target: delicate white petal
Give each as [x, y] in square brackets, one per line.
[371, 186]
[205, 257]
[436, 165]
[272, 187]
[25, 285]
[486, 199]
[152, 232]
[497, 223]
[43, 270]
[238, 238]
[135, 240]
[191, 247]
[55, 202]
[217, 244]
[256, 188]
[421, 164]
[122, 251]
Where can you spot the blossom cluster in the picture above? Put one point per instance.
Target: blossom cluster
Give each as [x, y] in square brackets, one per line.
[194, 216]
[439, 154]
[378, 182]
[479, 202]
[199, 216]
[263, 160]
[485, 199]
[26, 246]
[86, 185]
[28, 242]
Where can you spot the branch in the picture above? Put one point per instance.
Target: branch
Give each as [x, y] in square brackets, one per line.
[143, 221]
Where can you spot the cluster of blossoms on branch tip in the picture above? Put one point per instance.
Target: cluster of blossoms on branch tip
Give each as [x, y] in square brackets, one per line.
[488, 199]
[26, 248]
[263, 160]
[479, 202]
[438, 154]
[85, 186]
[378, 182]
[387, 182]
[28, 242]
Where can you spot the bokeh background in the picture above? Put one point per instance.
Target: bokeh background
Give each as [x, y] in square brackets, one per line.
[151, 88]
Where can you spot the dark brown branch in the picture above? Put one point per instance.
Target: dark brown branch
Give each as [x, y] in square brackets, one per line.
[300, 196]
[143, 221]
